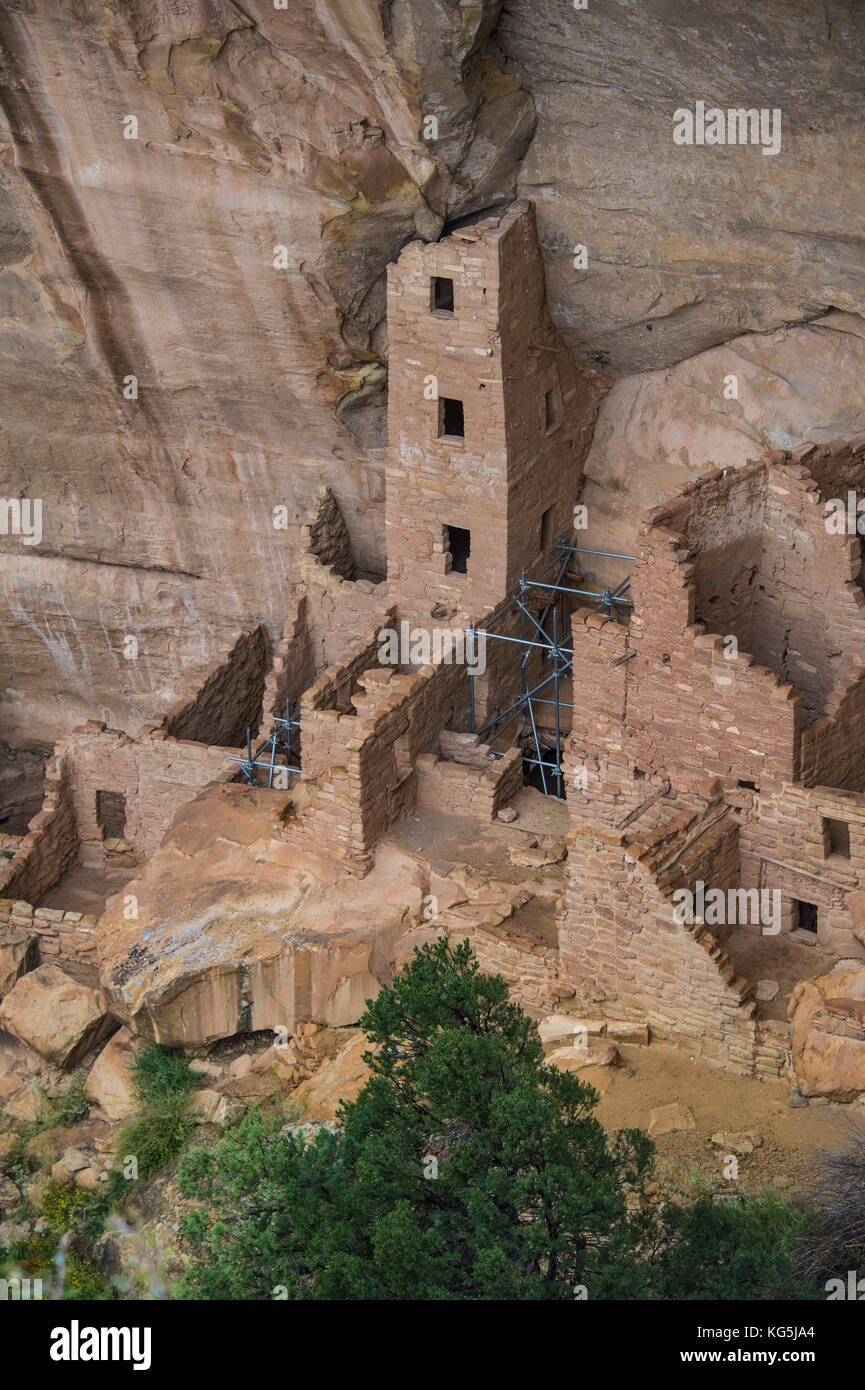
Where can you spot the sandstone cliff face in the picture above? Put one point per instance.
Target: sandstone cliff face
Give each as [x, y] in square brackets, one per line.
[231, 259]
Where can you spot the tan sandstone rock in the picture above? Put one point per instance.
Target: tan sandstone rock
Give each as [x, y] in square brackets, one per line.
[109, 1084]
[825, 1062]
[339, 1079]
[671, 1119]
[19, 952]
[59, 1018]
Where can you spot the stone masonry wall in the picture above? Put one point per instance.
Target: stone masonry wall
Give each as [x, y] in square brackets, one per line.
[619, 938]
[155, 773]
[362, 766]
[459, 788]
[498, 354]
[230, 696]
[63, 936]
[50, 846]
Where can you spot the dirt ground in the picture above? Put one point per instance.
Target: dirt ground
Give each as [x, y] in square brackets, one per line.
[86, 890]
[652, 1076]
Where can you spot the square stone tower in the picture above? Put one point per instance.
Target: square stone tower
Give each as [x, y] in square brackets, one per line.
[489, 419]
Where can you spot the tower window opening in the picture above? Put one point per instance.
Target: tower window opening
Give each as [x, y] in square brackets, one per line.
[459, 543]
[441, 295]
[551, 411]
[547, 521]
[836, 837]
[451, 419]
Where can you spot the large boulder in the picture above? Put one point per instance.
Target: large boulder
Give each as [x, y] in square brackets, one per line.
[828, 1049]
[109, 1084]
[19, 952]
[55, 1015]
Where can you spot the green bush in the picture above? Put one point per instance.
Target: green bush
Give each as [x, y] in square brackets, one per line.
[161, 1128]
[737, 1249]
[155, 1137]
[159, 1076]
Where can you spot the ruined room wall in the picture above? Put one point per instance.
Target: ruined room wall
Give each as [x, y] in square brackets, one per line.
[677, 708]
[784, 845]
[327, 717]
[809, 620]
[63, 936]
[362, 766]
[724, 531]
[292, 669]
[620, 944]
[326, 535]
[50, 845]
[155, 773]
[230, 696]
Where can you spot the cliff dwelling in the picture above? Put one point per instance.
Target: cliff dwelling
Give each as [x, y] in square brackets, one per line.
[432, 601]
[268, 853]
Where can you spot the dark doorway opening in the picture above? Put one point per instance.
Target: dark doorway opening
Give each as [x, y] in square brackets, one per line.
[111, 814]
[805, 916]
[837, 837]
[459, 543]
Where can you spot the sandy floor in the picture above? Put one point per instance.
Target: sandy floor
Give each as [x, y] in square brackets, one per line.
[656, 1075]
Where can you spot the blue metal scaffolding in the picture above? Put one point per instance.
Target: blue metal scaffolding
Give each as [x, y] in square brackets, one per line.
[279, 740]
[558, 646]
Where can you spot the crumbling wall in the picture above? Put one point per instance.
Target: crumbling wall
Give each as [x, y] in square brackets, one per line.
[786, 845]
[327, 535]
[363, 765]
[619, 938]
[50, 846]
[230, 697]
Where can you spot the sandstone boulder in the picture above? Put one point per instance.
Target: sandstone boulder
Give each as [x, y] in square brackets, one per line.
[577, 1059]
[59, 1018]
[19, 952]
[828, 1047]
[109, 1084]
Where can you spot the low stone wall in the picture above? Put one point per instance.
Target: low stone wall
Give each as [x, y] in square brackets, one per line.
[363, 764]
[476, 784]
[62, 935]
[50, 846]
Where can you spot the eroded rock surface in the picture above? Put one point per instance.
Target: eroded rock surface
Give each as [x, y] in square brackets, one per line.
[230, 257]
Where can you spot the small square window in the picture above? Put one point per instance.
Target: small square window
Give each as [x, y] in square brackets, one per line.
[451, 418]
[459, 543]
[441, 295]
[547, 521]
[551, 411]
[836, 837]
